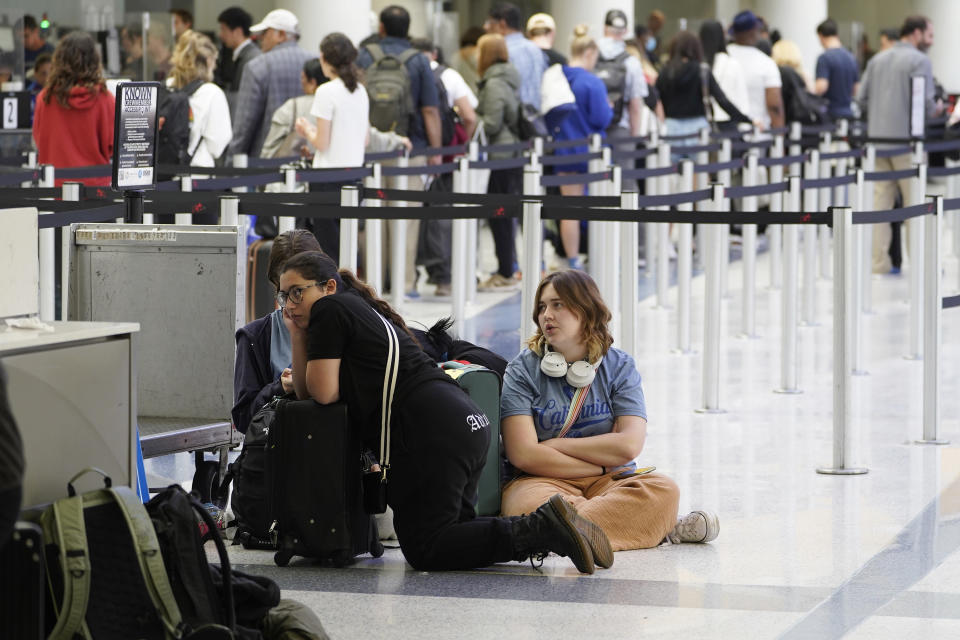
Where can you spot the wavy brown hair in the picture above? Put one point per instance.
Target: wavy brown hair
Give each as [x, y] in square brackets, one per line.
[193, 59]
[285, 246]
[580, 294]
[76, 63]
[491, 48]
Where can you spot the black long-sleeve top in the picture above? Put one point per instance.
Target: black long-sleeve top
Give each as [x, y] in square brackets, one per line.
[681, 92]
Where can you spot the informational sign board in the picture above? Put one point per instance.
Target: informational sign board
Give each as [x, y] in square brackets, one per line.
[135, 136]
[918, 106]
[16, 110]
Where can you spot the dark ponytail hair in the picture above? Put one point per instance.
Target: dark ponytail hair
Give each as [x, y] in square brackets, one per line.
[318, 266]
[340, 54]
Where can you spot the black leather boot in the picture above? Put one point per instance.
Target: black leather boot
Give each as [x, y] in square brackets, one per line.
[553, 527]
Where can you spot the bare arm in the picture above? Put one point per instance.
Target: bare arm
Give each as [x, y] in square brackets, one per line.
[467, 115]
[534, 458]
[613, 449]
[298, 351]
[775, 106]
[822, 85]
[431, 123]
[318, 136]
[323, 380]
[636, 109]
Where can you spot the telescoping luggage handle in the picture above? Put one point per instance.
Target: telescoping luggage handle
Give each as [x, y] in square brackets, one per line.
[389, 386]
[107, 482]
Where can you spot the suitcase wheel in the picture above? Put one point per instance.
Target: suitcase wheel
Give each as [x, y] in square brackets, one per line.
[376, 549]
[282, 557]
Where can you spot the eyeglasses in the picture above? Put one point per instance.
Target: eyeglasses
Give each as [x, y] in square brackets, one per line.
[295, 294]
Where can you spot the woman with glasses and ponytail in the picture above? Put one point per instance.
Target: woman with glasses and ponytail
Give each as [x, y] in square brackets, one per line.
[574, 421]
[342, 338]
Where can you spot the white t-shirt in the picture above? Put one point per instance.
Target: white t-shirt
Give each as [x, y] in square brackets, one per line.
[348, 114]
[729, 75]
[761, 73]
[456, 86]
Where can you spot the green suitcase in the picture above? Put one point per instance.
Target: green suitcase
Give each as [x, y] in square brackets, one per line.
[483, 385]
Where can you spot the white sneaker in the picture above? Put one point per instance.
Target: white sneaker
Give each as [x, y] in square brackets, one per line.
[696, 526]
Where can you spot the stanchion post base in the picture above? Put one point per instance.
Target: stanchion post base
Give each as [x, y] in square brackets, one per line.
[789, 392]
[709, 411]
[845, 471]
[938, 441]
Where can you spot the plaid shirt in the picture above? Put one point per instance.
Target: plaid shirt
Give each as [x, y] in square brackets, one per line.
[268, 81]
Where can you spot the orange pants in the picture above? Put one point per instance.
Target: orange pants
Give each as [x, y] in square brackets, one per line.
[635, 513]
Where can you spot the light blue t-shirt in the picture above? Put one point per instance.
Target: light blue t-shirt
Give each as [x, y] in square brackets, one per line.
[531, 62]
[281, 346]
[615, 392]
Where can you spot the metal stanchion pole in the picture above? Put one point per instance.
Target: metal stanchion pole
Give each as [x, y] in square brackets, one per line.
[240, 161]
[473, 225]
[398, 245]
[842, 312]
[866, 232]
[749, 244]
[663, 235]
[810, 244]
[650, 228]
[349, 228]
[824, 201]
[932, 336]
[789, 317]
[48, 280]
[70, 192]
[915, 230]
[711, 324]
[373, 230]
[611, 247]
[629, 276]
[532, 244]
[684, 264]
[725, 178]
[230, 211]
[458, 253]
[596, 264]
[288, 223]
[856, 327]
[186, 186]
[775, 231]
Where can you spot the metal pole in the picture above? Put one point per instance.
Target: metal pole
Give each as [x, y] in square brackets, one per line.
[810, 244]
[611, 246]
[749, 244]
[684, 264]
[373, 230]
[240, 161]
[842, 312]
[824, 201]
[532, 248]
[70, 192]
[915, 231]
[663, 235]
[473, 225]
[775, 231]
[725, 179]
[458, 252]
[629, 276]
[856, 327]
[48, 280]
[288, 223]
[932, 336]
[186, 186]
[789, 316]
[349, 228]
[650, 228]
[229, 211]
[595, 262]
[398, 245]
[866, 232]
[711, 324]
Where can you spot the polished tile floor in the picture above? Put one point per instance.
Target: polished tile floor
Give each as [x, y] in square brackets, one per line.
[800, 555]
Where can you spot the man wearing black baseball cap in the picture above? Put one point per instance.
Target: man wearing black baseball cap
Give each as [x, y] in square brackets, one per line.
[760, 71]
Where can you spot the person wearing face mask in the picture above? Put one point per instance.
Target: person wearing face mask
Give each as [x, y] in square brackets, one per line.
[342, 336]
[574, 420]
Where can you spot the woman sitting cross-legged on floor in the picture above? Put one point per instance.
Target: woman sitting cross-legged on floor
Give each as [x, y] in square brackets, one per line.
[574, 421]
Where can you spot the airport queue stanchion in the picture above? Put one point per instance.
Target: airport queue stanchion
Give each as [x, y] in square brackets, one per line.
[842, 313]
[702, 181]
[473, 225]
[790, 298]
[373, 233]
[713, 241]
[240, 161]
[69, 192]
[684, 263]
[809, 313]
[532, 244]
[595, 229]
[725, 178]
[825, 201]
[629, 276]
[398, 244]
[349, 228]
[775, 231]
[458, 251]
[856, 326]
[230, 211]
[288, 223]
[611, 243]
[869, 165]
[650, 189]
[47, 258]
[186, 186]
[932, 331]
[914, 228]
[663, 233]
[749, 245]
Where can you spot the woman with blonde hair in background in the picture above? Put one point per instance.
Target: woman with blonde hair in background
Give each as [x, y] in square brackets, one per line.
[799, 103]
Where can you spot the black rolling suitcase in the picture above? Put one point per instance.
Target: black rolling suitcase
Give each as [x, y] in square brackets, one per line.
[313, 475]
[260, 291]
[23, 584]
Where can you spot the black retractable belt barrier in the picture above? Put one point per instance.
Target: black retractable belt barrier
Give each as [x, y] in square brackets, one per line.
[760, 190]
[219, 184]
[816, 129]
[16, 177]
[338, 175]
[692, 217]
[18, 193]
[575, 158]
[502, 163]
[675, 199]
[934, 172]
[453, 150]
[382, 155]
[953, 204]
[685, 136]
[757, 144]
[893, 215]
[406, 213]
[639, 154]
[228, 172]
[780, 162]
[838, 181]
[509, 146]
[951, 302]
[96, 214]
[698, 148]
[778, 131]
[272, 163]
[718, 166]
[577, 201]
[839, 155]
[879, 176]
[893, 151]
[643, 174]
[74, 173]
[440, 197]
[577, 178]
[169, 185]
[550, 145]
[436, 169]
[946, 145]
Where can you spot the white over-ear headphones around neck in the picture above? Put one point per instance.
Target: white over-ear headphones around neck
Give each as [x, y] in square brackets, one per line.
[579, 374]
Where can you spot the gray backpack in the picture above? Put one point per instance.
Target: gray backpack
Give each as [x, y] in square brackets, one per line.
[613, 72]
[388, 85]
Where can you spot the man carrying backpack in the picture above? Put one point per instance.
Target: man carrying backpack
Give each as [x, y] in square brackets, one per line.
[626, 85]
[403, 98]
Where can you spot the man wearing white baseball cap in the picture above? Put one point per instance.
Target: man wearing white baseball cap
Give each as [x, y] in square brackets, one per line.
[268, 80]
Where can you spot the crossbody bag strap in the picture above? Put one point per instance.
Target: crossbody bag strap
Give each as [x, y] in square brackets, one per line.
[389, 386]
[576, 404]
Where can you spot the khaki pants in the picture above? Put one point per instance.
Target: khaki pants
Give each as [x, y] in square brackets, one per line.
[635, 513]
[414, 183]
[884, 195]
